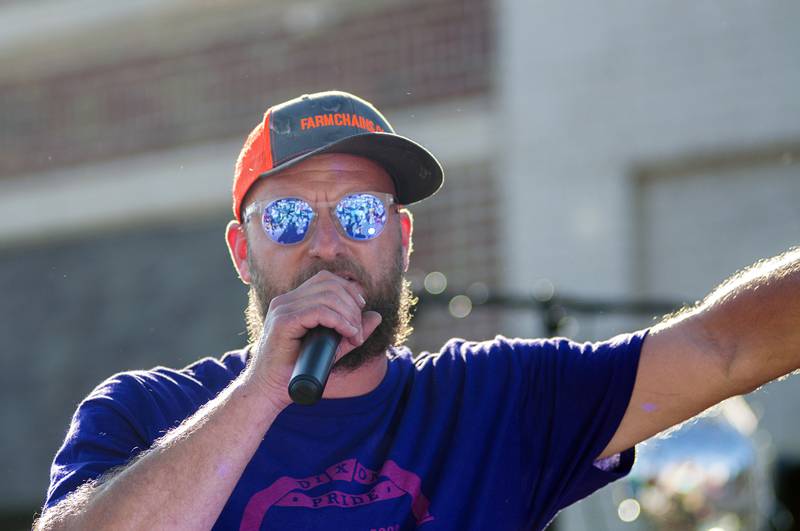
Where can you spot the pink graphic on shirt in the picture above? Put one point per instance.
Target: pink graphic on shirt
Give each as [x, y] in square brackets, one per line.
[390, 482]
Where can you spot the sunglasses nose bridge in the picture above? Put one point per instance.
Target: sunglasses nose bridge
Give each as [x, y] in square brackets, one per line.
[325, 240]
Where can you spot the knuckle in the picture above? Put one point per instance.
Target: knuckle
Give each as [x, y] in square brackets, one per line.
[277, 301]
[324, 313]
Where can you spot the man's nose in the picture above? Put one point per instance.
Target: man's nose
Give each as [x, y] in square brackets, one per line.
[325, 241]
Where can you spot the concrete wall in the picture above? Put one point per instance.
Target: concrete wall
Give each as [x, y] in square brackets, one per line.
[587, 94]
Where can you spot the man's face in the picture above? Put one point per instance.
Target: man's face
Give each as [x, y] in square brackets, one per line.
[377, 264]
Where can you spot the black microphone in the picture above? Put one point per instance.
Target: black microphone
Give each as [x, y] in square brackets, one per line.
[313, 366]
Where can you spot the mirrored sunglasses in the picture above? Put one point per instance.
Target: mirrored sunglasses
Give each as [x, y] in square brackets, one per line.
[360, 216]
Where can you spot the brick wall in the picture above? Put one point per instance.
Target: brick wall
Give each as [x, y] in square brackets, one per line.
[402, 53]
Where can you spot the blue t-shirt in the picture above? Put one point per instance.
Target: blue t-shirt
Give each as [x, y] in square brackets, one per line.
[499, 434]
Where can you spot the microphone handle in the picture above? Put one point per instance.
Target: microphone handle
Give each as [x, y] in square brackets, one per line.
[313, 365]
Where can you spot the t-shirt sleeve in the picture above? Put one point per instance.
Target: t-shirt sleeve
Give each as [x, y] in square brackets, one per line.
[576, 396]
[127, 413]
[102, 435]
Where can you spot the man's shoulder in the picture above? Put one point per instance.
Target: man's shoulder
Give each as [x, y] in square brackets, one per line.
[210, 371]
[160, 385]
[510, 357]
[459, 351]
[461, 360]
[500, 347]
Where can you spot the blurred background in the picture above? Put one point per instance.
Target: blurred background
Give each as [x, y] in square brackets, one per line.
[605, 163]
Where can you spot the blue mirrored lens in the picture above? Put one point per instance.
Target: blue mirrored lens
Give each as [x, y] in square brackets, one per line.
[362, 216]
[286, 221]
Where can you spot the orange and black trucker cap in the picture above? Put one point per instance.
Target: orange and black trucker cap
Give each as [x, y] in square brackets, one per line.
[333, 122]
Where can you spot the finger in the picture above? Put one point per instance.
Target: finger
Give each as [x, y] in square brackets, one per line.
[370, 321]
[302, 317]
[337, 285]
[352, 287]
[323, 316]
[335, 300]
[356, 291]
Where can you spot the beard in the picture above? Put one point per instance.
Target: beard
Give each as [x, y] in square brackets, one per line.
[391, 297]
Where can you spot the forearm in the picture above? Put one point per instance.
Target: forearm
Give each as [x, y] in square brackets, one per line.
[185, 479]
[753, 321]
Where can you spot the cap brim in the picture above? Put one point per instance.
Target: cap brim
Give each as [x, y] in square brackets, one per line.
[415, 171]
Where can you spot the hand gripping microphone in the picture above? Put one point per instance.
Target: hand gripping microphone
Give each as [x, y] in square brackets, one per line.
[313, 365]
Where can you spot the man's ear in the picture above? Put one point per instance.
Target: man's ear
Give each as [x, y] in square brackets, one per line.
[236, 236]
[406, 229]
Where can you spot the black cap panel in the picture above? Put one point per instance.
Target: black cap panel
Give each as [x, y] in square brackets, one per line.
[310, 122]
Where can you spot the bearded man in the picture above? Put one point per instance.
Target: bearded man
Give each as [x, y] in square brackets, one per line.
[499, 434]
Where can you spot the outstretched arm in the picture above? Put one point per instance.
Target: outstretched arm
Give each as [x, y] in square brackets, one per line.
[742, 335]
